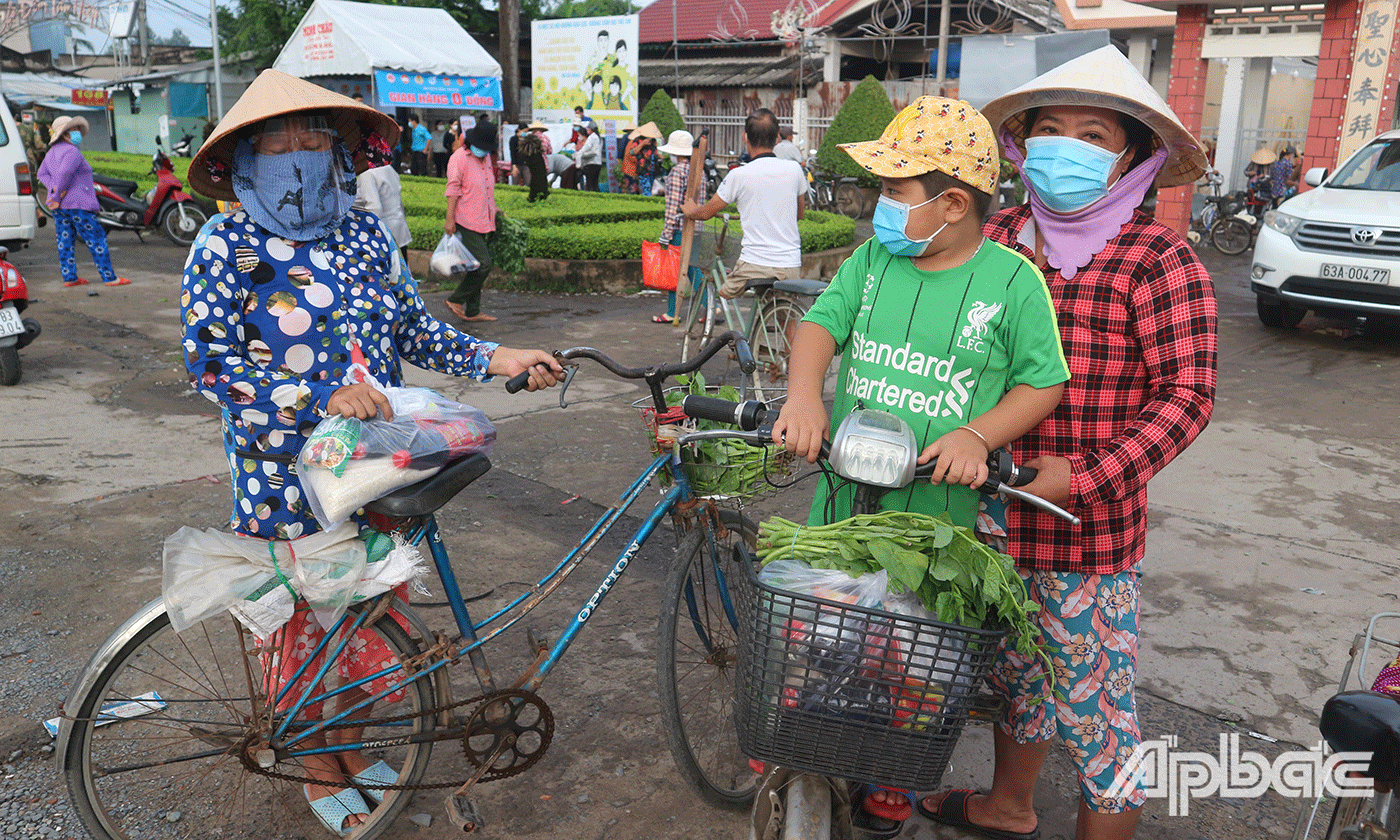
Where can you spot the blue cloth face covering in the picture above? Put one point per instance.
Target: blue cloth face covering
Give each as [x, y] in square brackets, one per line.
[75, 137]
[1068, 174]
[890, 221]
[481, 153]
[301, 196]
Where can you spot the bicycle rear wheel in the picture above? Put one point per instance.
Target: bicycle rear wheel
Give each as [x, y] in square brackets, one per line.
[824, 197]
[697, 646]
[182, 770]
[771, 338]
[850, 201]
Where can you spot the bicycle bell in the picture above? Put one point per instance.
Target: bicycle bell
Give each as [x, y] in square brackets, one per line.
[874, 447]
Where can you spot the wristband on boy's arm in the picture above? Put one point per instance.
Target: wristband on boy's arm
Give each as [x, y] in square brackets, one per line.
[985, 442]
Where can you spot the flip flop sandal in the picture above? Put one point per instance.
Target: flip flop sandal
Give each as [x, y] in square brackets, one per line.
[661, 319]
[456, 309]
[79, 282]
[377, 773]
[872, 820]
[899, 811]
[335, 809]
[120, 281]
[952, 810]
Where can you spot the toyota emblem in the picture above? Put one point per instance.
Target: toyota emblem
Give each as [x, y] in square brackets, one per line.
[1365, 235]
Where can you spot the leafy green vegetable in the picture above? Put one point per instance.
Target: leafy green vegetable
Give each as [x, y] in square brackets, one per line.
[954, 575]
[725, 467]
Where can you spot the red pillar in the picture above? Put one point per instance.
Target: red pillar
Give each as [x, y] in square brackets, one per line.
[1185, 96]
[1329, 104]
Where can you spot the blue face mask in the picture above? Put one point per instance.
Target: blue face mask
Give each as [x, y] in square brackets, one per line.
[1068, 174]
[481, 153]
[75, 137]
[300, 195]
[890, 220]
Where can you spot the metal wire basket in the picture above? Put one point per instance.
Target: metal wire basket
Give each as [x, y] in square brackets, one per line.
[857, 693]
[727, 471]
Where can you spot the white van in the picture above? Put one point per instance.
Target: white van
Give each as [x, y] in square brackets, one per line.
[18, 213]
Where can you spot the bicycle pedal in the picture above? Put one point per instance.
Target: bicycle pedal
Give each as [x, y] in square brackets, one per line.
[464, 813]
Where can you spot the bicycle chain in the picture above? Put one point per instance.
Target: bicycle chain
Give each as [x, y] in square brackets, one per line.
[245, 754]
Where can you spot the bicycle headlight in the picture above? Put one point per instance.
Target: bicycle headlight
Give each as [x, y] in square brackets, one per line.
[1282, 222]
[874, 447]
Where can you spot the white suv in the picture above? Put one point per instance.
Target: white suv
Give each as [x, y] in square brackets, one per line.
[1334, 249]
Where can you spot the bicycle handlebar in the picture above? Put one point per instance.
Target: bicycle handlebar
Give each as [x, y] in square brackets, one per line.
[755, 417]
[653, 375]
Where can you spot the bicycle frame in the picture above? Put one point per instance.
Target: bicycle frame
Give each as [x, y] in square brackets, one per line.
[475, 635]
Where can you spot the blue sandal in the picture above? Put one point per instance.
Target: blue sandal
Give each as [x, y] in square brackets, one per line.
[377, 773]
[335, 809]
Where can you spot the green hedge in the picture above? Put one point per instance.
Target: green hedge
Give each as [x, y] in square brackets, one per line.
[662, 111]
[570, 224]
[863, 116]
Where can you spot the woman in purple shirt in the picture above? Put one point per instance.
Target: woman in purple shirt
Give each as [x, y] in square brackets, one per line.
[72, 198]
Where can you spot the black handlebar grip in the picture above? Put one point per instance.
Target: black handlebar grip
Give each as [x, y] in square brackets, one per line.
[1023, 476]
[745, 354]
[517, 383]
[747, 415]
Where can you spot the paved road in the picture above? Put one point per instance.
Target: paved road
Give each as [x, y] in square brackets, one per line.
[1272, 540]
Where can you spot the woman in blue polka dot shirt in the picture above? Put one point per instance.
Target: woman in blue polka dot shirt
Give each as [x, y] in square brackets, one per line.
[281, 296]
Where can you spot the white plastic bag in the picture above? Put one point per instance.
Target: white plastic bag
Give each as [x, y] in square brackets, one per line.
[207, 572]
[451, 257]
[347, 463]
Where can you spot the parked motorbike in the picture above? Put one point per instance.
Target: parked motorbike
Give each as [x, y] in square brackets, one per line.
[15, 332]
[184, 147]
[165, 206]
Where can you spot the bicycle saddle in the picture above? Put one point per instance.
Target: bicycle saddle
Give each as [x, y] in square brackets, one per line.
[758, 284]
[426, 496]
[801, 286]
[1366, 721]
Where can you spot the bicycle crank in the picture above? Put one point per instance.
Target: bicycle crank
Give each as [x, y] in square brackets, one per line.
[508, 732]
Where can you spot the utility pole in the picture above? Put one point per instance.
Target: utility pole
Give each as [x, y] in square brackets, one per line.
[509, 12]
[218, 67]
[143, 34]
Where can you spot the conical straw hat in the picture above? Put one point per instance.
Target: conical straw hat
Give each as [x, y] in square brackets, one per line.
[1104, 78]
[276, 94]
[1263, 157]
[648, 129]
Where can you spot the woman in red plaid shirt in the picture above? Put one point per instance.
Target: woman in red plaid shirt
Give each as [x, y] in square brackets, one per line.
[1137, 319]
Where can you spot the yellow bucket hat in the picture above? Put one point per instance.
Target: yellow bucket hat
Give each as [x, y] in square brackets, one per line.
[933, 133]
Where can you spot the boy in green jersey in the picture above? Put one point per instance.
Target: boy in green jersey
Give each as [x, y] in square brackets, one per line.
[933, 322]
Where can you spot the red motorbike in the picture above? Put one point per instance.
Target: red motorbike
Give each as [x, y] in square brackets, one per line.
[15, 332]
[165, 206]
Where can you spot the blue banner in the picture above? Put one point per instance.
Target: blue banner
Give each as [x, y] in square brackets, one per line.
[395, 88]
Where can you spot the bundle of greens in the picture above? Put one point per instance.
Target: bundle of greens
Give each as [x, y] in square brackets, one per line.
[955, 576]
[726, 467]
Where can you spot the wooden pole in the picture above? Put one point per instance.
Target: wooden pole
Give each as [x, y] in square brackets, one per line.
[692, 189]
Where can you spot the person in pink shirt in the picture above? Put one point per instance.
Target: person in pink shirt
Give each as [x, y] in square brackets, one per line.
[472, 214]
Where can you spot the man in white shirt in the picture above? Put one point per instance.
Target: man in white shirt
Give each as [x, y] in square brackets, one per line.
[771, 194]
[786, 149]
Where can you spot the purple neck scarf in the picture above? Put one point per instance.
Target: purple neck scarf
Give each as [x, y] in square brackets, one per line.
[1072, 239]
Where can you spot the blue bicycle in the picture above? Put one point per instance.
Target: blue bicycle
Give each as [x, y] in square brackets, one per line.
[172, 735]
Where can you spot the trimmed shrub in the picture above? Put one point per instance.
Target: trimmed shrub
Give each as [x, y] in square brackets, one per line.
[863, 116]
[134, 167]
[662, 111]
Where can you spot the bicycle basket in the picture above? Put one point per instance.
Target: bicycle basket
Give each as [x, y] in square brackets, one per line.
[719, 470]
[861, 694]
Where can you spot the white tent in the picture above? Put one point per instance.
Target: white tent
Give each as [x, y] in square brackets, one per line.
[439, 64]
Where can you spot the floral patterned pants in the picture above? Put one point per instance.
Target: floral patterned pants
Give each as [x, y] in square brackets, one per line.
[81, 223]
[1090, 623]
[289, 647]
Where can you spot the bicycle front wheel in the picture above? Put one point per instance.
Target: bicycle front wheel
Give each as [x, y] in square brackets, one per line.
[771, 341]
[1231, 236]
[187, 766]
[698, 644]
[696, 320]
